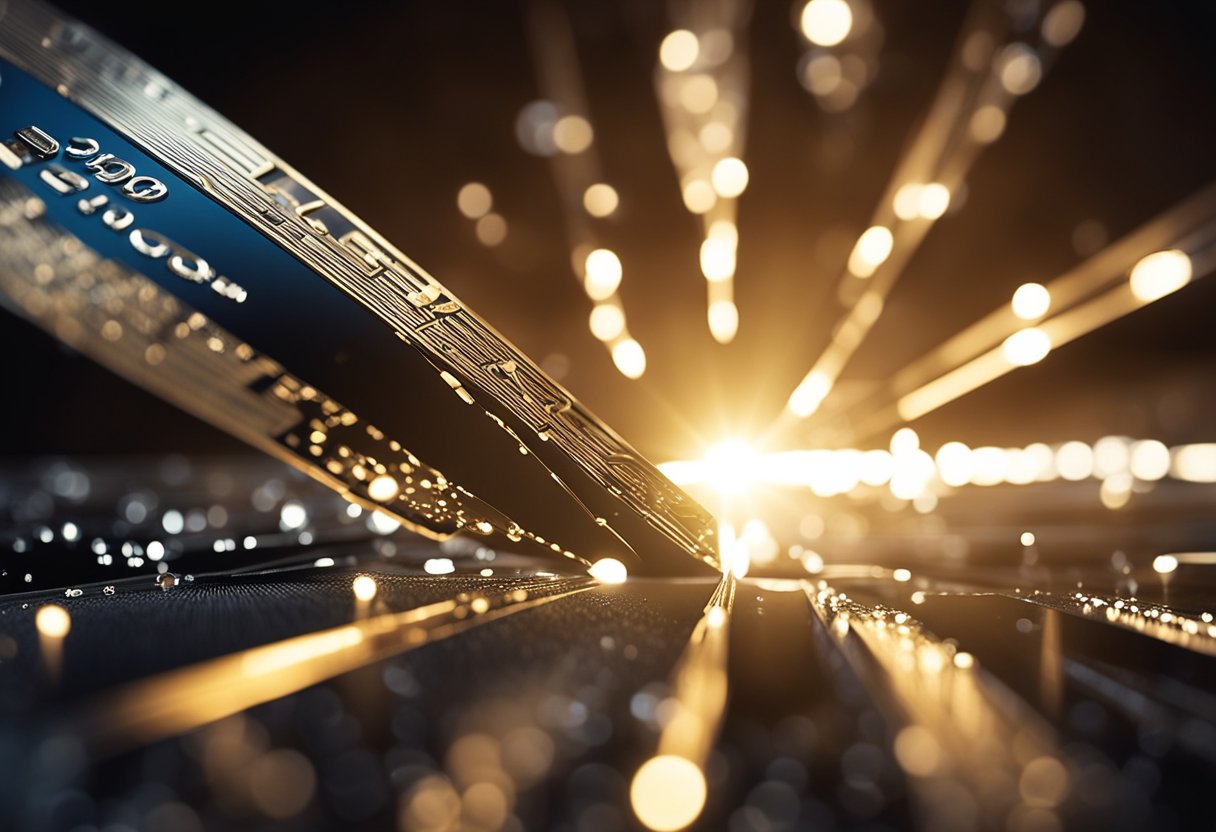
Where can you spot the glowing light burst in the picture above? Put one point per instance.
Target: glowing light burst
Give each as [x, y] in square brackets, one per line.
[733, 470]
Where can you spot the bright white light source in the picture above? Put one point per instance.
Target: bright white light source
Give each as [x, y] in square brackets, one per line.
[364, 587]
[872, 249]
[679, 50]
[383, 488]
[1075, 461]
[723, 320]
[609, 571]
[292, 516]
[1150, 460]
[1195, 463]
[1111, 456]
[904, 441]
[954, 464]
[718, 259]
[1026, 347]
[731, 467]
[1165, 564]
[668, 793]
[53, 621]
[629, 358]
[809, 394]
[1031, 301]
[1159, 274]
[602, 274]
[607, 321]
[439, 566]
[826, 22]
[901, 575]
[729, 177]
[933, 200]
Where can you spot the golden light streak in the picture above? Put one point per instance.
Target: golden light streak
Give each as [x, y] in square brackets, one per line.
[668, 791]
[184, 699]
[703, 118]
[585, 196]
[1027, 346]
[963, 729]
[1094, 293]
[968, 112]
[733, 470]
[1194, 463]
[872, 249]
[1052, 333]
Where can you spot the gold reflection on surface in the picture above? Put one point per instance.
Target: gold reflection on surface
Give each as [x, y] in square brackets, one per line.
[990, 69]
[668, 791]
[976, 755]
[184, 699]
[53, 623]
[1190, 630]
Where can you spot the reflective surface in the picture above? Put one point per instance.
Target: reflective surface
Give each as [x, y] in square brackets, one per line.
[998, 617]
[358, 675]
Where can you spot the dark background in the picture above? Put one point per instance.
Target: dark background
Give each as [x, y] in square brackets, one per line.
[392, 107]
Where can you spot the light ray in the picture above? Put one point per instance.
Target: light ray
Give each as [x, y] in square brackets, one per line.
[184, 699]
[668, 791]
[1163, 256]
[585, 197]
[701, 80]
[989, 71]
[962, 731]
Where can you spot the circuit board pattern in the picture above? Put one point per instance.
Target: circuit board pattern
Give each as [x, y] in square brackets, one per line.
[290, 210]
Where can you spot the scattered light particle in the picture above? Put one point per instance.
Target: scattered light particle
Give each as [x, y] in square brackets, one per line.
[609, 571]
[53, 621]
